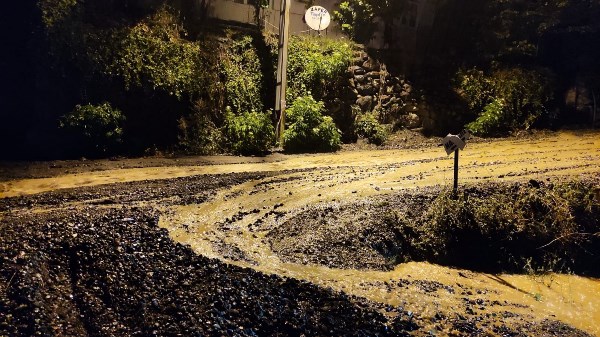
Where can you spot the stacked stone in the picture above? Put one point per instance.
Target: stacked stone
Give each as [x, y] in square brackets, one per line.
[374, 88]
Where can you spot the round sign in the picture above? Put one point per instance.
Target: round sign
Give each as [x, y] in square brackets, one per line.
[317, 18]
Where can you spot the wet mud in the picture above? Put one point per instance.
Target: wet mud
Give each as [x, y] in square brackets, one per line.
[110, 270]
[115, 273]
[292, 247]
[380, 232]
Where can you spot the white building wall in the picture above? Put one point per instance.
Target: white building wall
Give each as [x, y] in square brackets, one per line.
[241, 11]
[230, 10]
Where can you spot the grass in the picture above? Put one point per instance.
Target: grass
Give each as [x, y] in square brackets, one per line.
[518, 227]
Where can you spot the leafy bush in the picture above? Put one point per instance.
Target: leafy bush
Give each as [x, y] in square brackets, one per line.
[249, 133]
[199, 135]
[356, 19]
[517, 227]
[490, 120]
[153, 54]
[367, 126]
[53, 12]
[99, 126]
[314, 64]
[508, 227]
[308, 130]
[240, 67]
[507, 99]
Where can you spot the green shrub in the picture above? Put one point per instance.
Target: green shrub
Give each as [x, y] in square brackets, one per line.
[368, 127]
[199, 135]
[490, 120]
[356, 19]
[250, 133]
[517, 227]
[152, 55]
[314, 64]
[99, 126]
[53, 12]
[506, 99]
[241, 71]
[307, 130]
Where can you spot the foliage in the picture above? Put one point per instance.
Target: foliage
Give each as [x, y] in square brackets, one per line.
[314, 64]
[356, 17]
[368, 126]
[518, 227]
[512, 224]
[250, 133]
[491, 120]
[511, 32]
[494, 34]
[198, 134]
[240, 68]
[99, 125]
[238, 85]
[153, 53]
[519, 27]
[307, 130]
[507, 99]
[55, 11]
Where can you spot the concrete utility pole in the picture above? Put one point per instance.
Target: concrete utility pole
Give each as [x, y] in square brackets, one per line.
[282, 67]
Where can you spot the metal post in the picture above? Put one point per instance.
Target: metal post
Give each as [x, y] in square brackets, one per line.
[282, 67]
[594, 108]
[455, 190]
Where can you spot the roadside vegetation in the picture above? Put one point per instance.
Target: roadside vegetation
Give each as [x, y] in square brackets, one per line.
[96, 129]
[536, 227]
[308, 129]
[505, 100]
[183, 83]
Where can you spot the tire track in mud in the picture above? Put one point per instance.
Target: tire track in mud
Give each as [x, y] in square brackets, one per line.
[547, 152]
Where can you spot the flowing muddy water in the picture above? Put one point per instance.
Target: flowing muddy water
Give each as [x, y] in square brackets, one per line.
[233, 225]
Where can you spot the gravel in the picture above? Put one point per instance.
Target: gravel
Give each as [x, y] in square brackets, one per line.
[113, 272]
[93, 262]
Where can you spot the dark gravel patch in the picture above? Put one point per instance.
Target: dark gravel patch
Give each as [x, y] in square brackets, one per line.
[176, 191]
[113, 272]
[472, 231]
[348, 236]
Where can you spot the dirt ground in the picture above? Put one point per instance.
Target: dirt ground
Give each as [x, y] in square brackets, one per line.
[403, 139]
[197, 246]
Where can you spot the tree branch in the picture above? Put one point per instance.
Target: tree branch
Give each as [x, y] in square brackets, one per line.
[567, 235]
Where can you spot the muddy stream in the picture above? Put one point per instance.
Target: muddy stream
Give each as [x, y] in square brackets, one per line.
[234, 224]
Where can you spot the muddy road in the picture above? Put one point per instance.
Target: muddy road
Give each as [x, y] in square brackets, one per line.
[557, 154]
[235, 212]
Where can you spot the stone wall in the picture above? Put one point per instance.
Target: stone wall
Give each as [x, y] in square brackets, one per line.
[373, 88]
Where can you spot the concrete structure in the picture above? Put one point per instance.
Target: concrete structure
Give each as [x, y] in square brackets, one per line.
[406, 36]
[244, 12]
